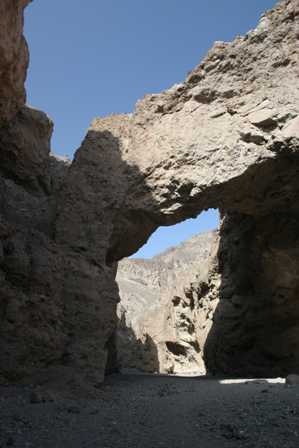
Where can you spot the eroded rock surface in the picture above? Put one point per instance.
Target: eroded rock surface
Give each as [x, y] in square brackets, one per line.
[158, 329]
[231, 309]
[14, 58]
[255, 325]
[225, 138]
[32, 332]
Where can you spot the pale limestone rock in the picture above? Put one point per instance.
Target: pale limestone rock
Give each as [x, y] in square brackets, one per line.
[262, 118]
[292, 129]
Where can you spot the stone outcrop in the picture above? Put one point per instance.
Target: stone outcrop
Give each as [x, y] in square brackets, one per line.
[209, 142]
[255, 324]
[231, 308]
[31, 330]
[225, 138]
[52, 314]
[14, 58]
[159, 328]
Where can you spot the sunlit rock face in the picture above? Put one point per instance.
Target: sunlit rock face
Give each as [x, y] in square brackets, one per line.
[158, 328]
[225, 138]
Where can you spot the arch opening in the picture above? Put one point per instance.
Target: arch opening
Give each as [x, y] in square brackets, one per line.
[230, 310]
[158, 329]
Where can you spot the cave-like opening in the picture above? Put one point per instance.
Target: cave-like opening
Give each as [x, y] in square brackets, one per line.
[221, 303]
[158, 328]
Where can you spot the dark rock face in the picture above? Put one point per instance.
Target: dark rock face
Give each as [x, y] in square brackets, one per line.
[31, 318]
[255, 329]
[50, 287]
[63, 227]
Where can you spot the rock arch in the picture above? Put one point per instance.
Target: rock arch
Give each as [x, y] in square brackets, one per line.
[226, 138]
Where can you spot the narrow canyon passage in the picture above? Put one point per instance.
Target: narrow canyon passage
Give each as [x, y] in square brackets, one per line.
[159, 326]
[223, 302]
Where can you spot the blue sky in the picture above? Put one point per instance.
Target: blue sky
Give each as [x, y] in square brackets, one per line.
[166, 237]
[98, 57]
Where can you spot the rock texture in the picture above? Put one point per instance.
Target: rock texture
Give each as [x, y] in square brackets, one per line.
[224, 303]
[159, 328]
[57, 297]
[225, 138]
[13, 58]
[31, 325]
[255, 325]
[51, 289]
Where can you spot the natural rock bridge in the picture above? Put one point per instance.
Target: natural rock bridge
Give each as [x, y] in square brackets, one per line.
[227, 138]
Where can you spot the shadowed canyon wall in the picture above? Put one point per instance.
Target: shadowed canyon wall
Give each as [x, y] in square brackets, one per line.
[256, 323]
[227, 138]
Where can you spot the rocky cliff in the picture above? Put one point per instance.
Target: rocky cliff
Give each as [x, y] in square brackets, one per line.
[14, 58]
[227, 138]
[255, 325]
[159, 329]
[52, 313]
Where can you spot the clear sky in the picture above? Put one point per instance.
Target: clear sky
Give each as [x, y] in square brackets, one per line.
[97, 57]
[166, 237]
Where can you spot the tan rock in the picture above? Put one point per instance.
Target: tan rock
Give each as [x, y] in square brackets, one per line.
[292, 129]
[13, 58]
[63, 227]
[262, 118]
[159, 324]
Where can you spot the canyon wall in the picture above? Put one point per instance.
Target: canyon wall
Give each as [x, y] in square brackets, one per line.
[159, 328]
[14, 58]
[226, 138]
[255, 325]
[57, 298]
[220, 303]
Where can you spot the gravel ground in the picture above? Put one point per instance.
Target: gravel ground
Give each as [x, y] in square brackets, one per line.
[131, 411]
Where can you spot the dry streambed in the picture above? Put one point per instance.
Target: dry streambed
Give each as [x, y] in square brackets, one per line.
[154, 411]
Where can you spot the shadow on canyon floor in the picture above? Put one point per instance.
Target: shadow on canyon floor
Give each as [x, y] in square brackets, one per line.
[135, 353]
[149, 411]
